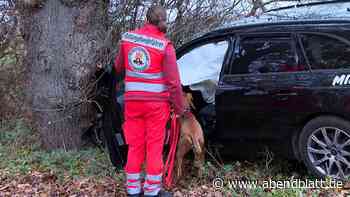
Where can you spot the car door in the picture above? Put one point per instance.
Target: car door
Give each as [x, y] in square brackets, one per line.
[257, 94]
[200, 63]
[328, 53]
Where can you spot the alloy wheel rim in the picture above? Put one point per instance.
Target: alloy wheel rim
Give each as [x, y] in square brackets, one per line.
[328, 149]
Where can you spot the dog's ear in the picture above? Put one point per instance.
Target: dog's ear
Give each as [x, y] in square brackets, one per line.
[188, 100]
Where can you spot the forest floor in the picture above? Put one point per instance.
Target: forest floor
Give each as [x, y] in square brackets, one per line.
[27, 170]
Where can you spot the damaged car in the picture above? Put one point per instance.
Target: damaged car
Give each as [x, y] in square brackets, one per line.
[284, 84]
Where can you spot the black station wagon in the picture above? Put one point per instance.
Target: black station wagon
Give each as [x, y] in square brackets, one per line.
[283, 83]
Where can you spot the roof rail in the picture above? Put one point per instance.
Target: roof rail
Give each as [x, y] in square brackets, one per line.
[308, 4]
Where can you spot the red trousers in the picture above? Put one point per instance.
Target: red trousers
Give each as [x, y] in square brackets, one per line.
[144, 130]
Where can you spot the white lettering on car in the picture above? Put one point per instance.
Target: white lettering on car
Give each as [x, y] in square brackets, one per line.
[347, 79]
[340, 80]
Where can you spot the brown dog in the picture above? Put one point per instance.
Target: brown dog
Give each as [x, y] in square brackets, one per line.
[191, 137]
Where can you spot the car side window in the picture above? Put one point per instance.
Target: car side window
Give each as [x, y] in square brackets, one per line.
[202, 63]
[265, 55]
[326, 52]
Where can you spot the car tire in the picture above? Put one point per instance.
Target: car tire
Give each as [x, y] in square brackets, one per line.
[320, 152]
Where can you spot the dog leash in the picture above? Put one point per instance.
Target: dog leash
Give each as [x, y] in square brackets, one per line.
[174, 137]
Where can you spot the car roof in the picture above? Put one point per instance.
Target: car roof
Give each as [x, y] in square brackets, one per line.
[277, 24]
[335, 13]
[318, 13]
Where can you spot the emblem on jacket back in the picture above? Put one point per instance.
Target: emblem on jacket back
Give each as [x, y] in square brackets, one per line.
[139, 59]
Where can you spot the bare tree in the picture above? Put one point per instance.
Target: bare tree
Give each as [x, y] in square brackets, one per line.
[62, 38]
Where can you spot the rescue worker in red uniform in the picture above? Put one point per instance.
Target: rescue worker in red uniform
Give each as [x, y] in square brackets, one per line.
[152, 87]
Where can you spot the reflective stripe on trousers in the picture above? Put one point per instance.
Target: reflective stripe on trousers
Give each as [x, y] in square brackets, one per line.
[146, 87]
[153, 184]
[133, 183]
[144, 75]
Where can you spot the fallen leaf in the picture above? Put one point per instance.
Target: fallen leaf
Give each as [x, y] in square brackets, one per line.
[178, 194]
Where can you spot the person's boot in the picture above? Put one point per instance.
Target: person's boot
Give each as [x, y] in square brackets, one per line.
[161, 193]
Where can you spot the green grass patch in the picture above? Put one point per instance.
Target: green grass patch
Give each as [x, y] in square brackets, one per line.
[20, 152]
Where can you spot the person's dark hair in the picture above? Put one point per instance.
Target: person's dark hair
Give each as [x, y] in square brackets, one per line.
[156, 15]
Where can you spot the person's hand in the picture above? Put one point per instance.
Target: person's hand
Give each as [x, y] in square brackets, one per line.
[99, 66]
[172, 112]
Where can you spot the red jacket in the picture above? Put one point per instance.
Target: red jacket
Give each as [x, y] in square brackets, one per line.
[151, 64]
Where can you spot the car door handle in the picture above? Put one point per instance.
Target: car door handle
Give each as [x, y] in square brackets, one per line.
[286, 94]
[256, 92]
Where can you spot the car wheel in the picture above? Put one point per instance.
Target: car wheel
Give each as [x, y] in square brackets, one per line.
[325, 147]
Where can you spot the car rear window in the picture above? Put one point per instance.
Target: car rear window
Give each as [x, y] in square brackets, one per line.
[325, 52]
[265, 55]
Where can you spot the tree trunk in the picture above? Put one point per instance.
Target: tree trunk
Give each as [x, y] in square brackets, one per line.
[63, 41]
